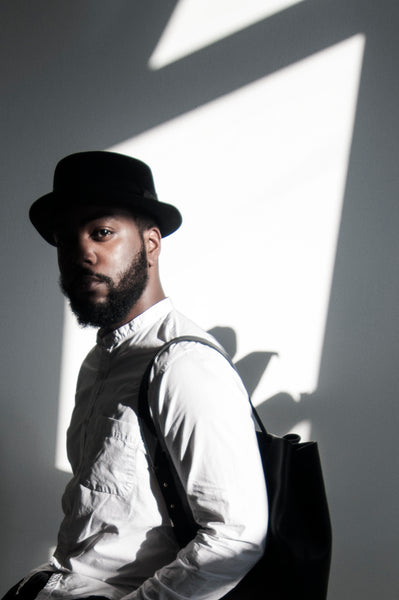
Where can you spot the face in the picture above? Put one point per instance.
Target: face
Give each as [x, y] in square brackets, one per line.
[103, 264]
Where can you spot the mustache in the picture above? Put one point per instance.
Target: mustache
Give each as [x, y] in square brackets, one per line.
[77, 274]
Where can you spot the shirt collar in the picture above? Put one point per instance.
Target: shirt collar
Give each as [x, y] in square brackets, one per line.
[112, 339]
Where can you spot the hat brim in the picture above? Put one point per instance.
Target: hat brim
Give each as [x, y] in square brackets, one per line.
[46, 210]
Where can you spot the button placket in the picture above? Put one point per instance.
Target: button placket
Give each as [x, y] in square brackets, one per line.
[102, 373]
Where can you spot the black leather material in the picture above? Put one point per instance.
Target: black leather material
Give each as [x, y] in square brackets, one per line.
[30, 589]
[296, 561]
[33, 586]
[297, 556]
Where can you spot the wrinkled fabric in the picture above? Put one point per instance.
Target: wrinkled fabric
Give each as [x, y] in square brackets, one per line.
[116, 539]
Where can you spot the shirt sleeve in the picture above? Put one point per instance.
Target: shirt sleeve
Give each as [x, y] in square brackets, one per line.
[204, 415]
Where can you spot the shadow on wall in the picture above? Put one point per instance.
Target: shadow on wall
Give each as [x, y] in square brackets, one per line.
[279, 413]
[251, 367]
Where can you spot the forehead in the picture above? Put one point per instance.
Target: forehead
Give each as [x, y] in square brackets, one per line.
[79, 216]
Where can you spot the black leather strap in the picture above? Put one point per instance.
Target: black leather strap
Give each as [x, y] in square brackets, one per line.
[160, 461]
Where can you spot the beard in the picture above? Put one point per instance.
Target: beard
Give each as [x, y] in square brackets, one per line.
[120, 299]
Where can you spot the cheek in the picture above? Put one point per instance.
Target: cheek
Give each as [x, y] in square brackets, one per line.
[119, 262]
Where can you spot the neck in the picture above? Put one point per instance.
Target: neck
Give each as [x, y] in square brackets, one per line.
[152, 295]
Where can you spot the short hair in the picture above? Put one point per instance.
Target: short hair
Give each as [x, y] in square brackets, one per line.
[144, 221]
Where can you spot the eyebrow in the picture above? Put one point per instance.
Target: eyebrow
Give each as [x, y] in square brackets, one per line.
[98, 213]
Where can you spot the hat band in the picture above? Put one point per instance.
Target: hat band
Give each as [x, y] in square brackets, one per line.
[74, 190]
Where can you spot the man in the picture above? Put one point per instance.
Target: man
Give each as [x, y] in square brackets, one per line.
[116, 539]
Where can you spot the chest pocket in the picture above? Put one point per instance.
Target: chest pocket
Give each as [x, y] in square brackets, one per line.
[108, 464]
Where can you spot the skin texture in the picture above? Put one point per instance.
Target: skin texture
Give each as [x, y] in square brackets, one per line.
[102, 242]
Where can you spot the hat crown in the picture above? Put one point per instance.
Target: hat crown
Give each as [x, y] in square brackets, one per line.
[97, 170]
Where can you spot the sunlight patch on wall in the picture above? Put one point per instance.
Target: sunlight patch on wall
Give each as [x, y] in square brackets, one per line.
[303, 429]
[259, 176]
[195, 24]
[76, 343]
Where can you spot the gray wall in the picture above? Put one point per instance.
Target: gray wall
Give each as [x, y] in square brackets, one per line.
[74, 77]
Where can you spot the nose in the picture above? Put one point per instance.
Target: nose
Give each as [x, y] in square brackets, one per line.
[85, 252]
[77, 250]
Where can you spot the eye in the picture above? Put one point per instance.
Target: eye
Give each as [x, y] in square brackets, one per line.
[101, 233]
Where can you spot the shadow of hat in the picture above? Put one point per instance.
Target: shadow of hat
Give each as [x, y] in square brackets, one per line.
[100, 178]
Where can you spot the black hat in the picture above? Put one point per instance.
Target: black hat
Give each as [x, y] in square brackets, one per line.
[103, 179]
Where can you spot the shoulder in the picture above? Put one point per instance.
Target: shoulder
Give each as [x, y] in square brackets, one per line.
[191, 369]
[193, 378]
[174, 329]
[175, 324]
[189, 353]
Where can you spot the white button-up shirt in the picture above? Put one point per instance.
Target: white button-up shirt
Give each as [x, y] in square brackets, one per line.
[116, 538]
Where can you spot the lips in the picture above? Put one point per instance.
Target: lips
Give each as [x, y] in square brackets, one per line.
[88, 282]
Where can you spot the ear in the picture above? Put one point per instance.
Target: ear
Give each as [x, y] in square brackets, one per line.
[152, 240]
